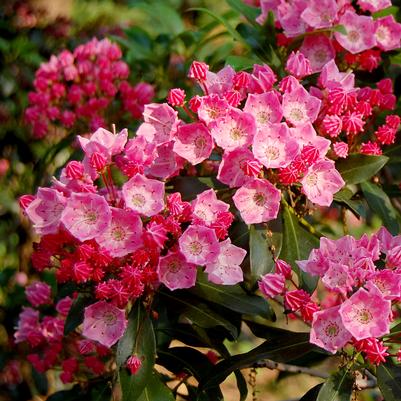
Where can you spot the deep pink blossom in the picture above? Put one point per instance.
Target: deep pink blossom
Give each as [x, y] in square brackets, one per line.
[298, 65]
[38, 293]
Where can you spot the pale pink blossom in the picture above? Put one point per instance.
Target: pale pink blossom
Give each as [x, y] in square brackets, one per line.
[160, 123]
[272, 284]
[167, 163]
[113, 143]
[221, 82]
[320, 13]
[226, 269]
[337, 278]
[193, 142]
[360, 34]
[289, 16]
[175, 272]
[258, 201]
[298, 65]
[235, 130]
[265, 108]
[316, 264]
[373, 5]
[388, 33]
[199, 245]
[262, 79]
[388, 283]
[123, 235]
[274, 147]
[332, 78]
[366, 314]
[266, 6]
[45, 210]
[144, 195]
[28, 328]
[319, 50]
[86, 215]
[321, 182]
[104, 323]
[139, 151]
[38, 293]
[231, 170]
[328, 331]
[211, 108]
[299, 107]
[206, 208]
[306, 135]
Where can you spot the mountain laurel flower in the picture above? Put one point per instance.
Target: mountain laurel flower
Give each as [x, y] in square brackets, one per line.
[272, 284]
[298, 65]
[176, 97]
[198, 70]
[38, 294]
[340, 149]
[282, 267]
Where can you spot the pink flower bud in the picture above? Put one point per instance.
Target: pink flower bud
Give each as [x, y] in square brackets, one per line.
[133, 364]
[272, 284]
[309, 155]
[38, 294]
[340, 149]
[241, 80]
[195, 103]
[176, 97]
[25, 201]
[251, 167]
[298, 65]
[74, 170]
[233, 98]
[98, 161]
[198, 70]
[295, 300]
[283, 268]
[393, 121]
[385, 86]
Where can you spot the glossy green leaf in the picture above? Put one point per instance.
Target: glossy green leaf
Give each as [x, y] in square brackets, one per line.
[200, 314]
[357, 168]
[297, 245]
[394, 152]
[337, 388]
[251, 13]
[280, 349]
[312, 394]
[356, 206]
[156, 390]
[76, 314]
[389, 381]
[381, 205]
[241, 62]
[139, 340]
[232, 297]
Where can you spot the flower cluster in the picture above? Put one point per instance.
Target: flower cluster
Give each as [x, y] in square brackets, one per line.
[362, 283]
[42, 324]
[79, 88]
[361, 38]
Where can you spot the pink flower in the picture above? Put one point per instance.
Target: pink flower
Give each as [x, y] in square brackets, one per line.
[318, 50]
[198, 70]
[235, 130]
[321, 182]
[289, 16]
[296, 300]
[104, 322]
[373, 5]
[38, 293]
[353, 123]
[320, 14]
[265, 108]
[360, 32]
[175, 272]
[45, 210]
[328, 331]
[193, 142]
[298, 65]
[63, 306]
[199, 245]
[86, 215]
[211, 108]
[144, 195]
[231, 170]
[134, 364]
[167, 163]
[299, 107]
[220, 83]
[258, 201]
[206, 207]
[282, 267]
[274, 147]
[388, 33]
[176, 97]
[272, 284]
[340, 149]
[366, 314]
[123, 235]
[387, 282]
[262, 79]
[370, 148]
[28, 328]
[332, 78]
[226, 269]
[160, 123]
[337, 278]
[332, 125]
[308, 139]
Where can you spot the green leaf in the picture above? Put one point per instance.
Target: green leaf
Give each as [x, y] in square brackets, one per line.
[156, 390]
[250, 13]
[389, 381]
[380, 204]
[344, 197]
[139, 340]
[200, 314]
[232, 297]
[393, 10]
[241, 62]
[76, 314]
[280, 349]
[261, 257]
[339, 28]
[312, 394]
[357, 168]
[297, 245]
[338, 387]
